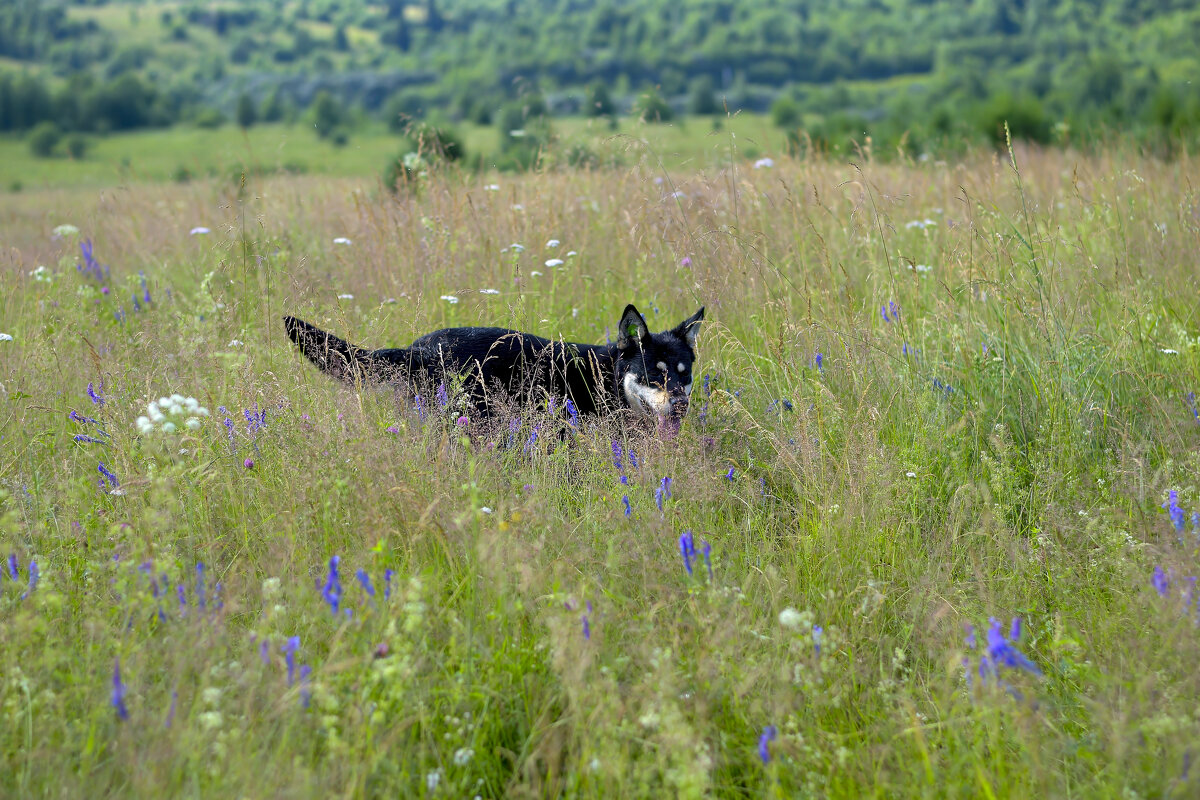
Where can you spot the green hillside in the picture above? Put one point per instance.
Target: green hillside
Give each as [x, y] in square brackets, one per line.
[936, 70]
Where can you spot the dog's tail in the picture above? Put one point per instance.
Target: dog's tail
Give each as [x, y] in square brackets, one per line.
[334, 356]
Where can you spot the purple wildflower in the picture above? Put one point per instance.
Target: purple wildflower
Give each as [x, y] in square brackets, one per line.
[573, 412]
[248, 463]
[617, 456]
[1159, 581]
[34, 575]
[687, 548]
[970, 638]
[587, 628]
[463, 421]
[443, 399]
[305, 690]
[706, 549]
[14, 570]
[264, 651]
[289, 650]
[817, 631]
[420, 406]
[662, 493]
[819, 362]
[764, 743]
[332, 593]
[387, 583]
[200, 585]
[628, 508]
[181, 593]
[109, 476]
[1014, 632]
[82, 420]
[83, 439]
[97, 397]
[1000, 653]
[633, 462]
[686, 261]
[365, 580]
[171, 710]
[533, 437]
[1177, 514]
[118, 692]
[729, 475]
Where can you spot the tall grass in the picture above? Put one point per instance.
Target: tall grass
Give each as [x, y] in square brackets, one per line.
[997, 414]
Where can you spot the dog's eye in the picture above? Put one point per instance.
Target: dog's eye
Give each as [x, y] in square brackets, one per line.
[662, 367]
[682, 368]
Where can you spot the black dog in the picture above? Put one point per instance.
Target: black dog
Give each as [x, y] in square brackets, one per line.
[650, 373]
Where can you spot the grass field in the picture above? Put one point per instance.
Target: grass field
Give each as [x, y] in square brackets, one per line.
[933, 395]
[159, 156]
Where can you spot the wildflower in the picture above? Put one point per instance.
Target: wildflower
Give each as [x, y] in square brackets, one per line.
[82, 439]
[264, 651]
[687, 549]
[118, 692]
[764, 743]
[305, 691]
[1159, 581]
[332, 593]
[617, 456]
[289, 655]
[573, 412]
[97, 397]
[662, 493]
[200, 601]
[365, 580]
[463, 421]
[554, 262]
[463, 755]
[1000, 653]
[34, 575]
[633, 462]
[342, 240]
[492, 187]
[199, 230]
[449, 298]
[533, 436]
[628, 508]
[819, 362]
[686, 261]
[764, 163]
[64, 230]
[1177, 514]
[706, 549]
[387, 583]
[1014, 631]
[553, 243]
[535, 273]
[489, 291]
[791, 618]
[970, 637]
[107, 475]
[443, 399]
[248, 463]
[817, 631]
[516, 248]
[6, 337]
[346, 296]
[729, 475]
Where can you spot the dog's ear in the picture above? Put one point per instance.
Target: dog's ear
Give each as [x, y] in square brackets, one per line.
[689, 329]
[632, 328]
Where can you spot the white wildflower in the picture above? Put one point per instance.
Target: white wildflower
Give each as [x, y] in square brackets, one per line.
[345, 297]
[518, 207]
[910, 474]
[535, 273]
[6, 337]
[485, 509]
[199, 230]
[553, 243]
[790, 618]
[235, 343]
[211, 695]
[554, 262]
[433, 779]
[489, 291]
[571, 253]
[42, 275]
[270, 587]
[516, 248]
[764, 163]
[463, 756]
[65, 230]
[342, 240]
[449, 298]
[168, 427]
[492, 187]
[1169, 351]
[192, 424]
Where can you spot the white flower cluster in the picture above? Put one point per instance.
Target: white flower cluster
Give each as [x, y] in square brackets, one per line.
[162, 414]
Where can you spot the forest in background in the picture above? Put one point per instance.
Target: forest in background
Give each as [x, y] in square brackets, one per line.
[917, 75]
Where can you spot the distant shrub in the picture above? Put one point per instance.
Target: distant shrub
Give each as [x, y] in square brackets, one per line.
[77, 146]
[599, 101]
[181, 174]
[339, 137]
[327, 114]
[651, 107]
[1025, 117]
[703, 97]
[43, 139]
[245, 113]
[209, 119]
[436, 142]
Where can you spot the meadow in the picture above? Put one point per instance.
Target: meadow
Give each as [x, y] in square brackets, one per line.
[927, 531]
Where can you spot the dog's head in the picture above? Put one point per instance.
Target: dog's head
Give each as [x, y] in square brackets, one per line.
[654, 370]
